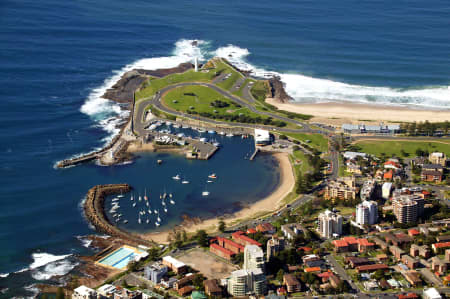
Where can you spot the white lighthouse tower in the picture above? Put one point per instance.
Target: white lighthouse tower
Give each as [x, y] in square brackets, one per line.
[196, 64]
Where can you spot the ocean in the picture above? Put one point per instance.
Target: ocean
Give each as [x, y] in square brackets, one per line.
[58, 57]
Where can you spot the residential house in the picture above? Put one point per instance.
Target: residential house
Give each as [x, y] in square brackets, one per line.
[410, 262]
[413, 277]
[291, 283]
[212, 288]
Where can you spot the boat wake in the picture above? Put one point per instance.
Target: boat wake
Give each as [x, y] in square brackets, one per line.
[303, 89]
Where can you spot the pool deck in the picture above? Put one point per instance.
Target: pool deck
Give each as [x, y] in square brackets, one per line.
[134, 249]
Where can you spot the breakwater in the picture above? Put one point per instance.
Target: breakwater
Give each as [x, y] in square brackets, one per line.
[95, 213]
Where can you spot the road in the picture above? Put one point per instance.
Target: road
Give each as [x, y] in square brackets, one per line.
[139, 124]
[341, 272]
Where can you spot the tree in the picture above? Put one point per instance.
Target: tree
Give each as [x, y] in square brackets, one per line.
[221, 226]
[280, 275]
[153, 253]
[60, 293]
[202, 238]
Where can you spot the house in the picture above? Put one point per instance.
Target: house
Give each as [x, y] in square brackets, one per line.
[212, 288]
[398, 239]
[312, 260]
[291, 283]
[388, 176]
[185, 291]
[390, 164]
[355, 261]
[371, 285]
[438, 158]
[431, 176]
[230, 245]
[292, 230]
[312, 269]
[396, 251]
[372, 268]
[440, 246]
[168, 283]
[433, 167]
[251, 231]
[265, 228]
[335, 281]
[413, 232]
[438, 265]
[240, 238]
[443, 238]
[408, 296]
[222, 252]
[431, 293]
[83, 292]
[423, 251]
[174, 264]
[382, 257]
[410, 262]
[413, 277]
[184, 281]
[384, 284]
[383, 245]
[353, 244]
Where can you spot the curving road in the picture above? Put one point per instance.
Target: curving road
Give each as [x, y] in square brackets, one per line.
[139, 123]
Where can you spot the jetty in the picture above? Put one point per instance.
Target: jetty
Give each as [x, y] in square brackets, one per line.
[254, 154]
[95, 212]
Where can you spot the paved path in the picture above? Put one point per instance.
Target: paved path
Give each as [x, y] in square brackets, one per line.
[139, 124]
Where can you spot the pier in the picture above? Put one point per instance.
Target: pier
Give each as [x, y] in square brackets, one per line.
[254, 154]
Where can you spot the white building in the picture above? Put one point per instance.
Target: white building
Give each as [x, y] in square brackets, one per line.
[262, 137]
[431, 293]
[367, 213]
[247, 282]
[330, 224]
[107, 290]
[253, 257]
[386, 190]
[354, 155]
[83, 292]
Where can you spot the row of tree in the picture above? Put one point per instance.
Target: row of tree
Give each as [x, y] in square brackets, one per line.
[425, 128]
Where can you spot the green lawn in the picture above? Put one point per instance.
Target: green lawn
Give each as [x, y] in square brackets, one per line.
[303, 166]
[259, 90]
[317, 141]
[399, 148]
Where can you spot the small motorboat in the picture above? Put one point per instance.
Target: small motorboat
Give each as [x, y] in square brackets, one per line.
[212, 176]
[172, 202]
[203, 139]
[125, 222]
[222, 133]
[216, 144]
[159, 161]
[230, 135]
[205, 193]
[147, 221]
[177, 177]
[209, 181]
[157, 224]
[134, 204]
[212, 132]
[149, 211]
[165, 210]
[185, 182]
[132, 198]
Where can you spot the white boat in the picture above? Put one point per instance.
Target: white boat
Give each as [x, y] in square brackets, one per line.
[200, 130]
[125, 221]
[216, 144]
[185, 182]
[143, 212]
[139, 220]
[149, 211]
[212, 176]
[155, 211]
[147, 204]
[158, 219]
[134, 204]
[165, 210]
[212, 132]
[115, 199]
[120, 195]
[230, 135]
[180, 135]
[163, 203]
[145, 194]
[177, 177]
[209, 181]
[132, 198]
[203, 139]
[170, 195]
[168, 123]
[147, 221]
[176, 126]
[222, 133]
[140, 198]
[205, 193]
[172, 202]
[157, 224]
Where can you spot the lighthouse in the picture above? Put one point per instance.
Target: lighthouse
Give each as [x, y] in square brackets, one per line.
[196, 64]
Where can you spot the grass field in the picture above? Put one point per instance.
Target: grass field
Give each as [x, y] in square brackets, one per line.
[259, 90]
[317, 141]
[401, 148]
[303, 166]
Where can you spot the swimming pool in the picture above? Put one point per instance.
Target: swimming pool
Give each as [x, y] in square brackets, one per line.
[120, 258]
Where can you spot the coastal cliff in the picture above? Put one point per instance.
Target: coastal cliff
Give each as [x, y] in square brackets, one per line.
[94, 211]
[277, 90]
[131, 81]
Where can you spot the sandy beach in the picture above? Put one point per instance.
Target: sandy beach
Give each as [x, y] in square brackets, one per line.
[268, 204]
[334, 113]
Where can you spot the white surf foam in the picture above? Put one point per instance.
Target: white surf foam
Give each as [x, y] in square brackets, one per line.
[308, 89]
[41, 259]
[85, 241]
[107, 113]
[4, 275]
[57, 268]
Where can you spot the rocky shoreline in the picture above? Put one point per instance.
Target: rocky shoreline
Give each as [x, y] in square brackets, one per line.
[95, 213]
[277, 90]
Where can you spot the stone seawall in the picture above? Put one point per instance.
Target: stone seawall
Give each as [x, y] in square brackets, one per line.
[95, 213]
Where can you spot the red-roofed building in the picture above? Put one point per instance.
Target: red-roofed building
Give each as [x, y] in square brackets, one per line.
[240, 238]
[251, 231]
[312, 269]
[413, 232]
[372, 268]
[230, 245]
[392, 165]
[305, 249]
[408, 296]
[353, 244]
[220, 251]
[442, 245]
[325, 276]
[426, 194]
[388, 175]
[265, 228]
